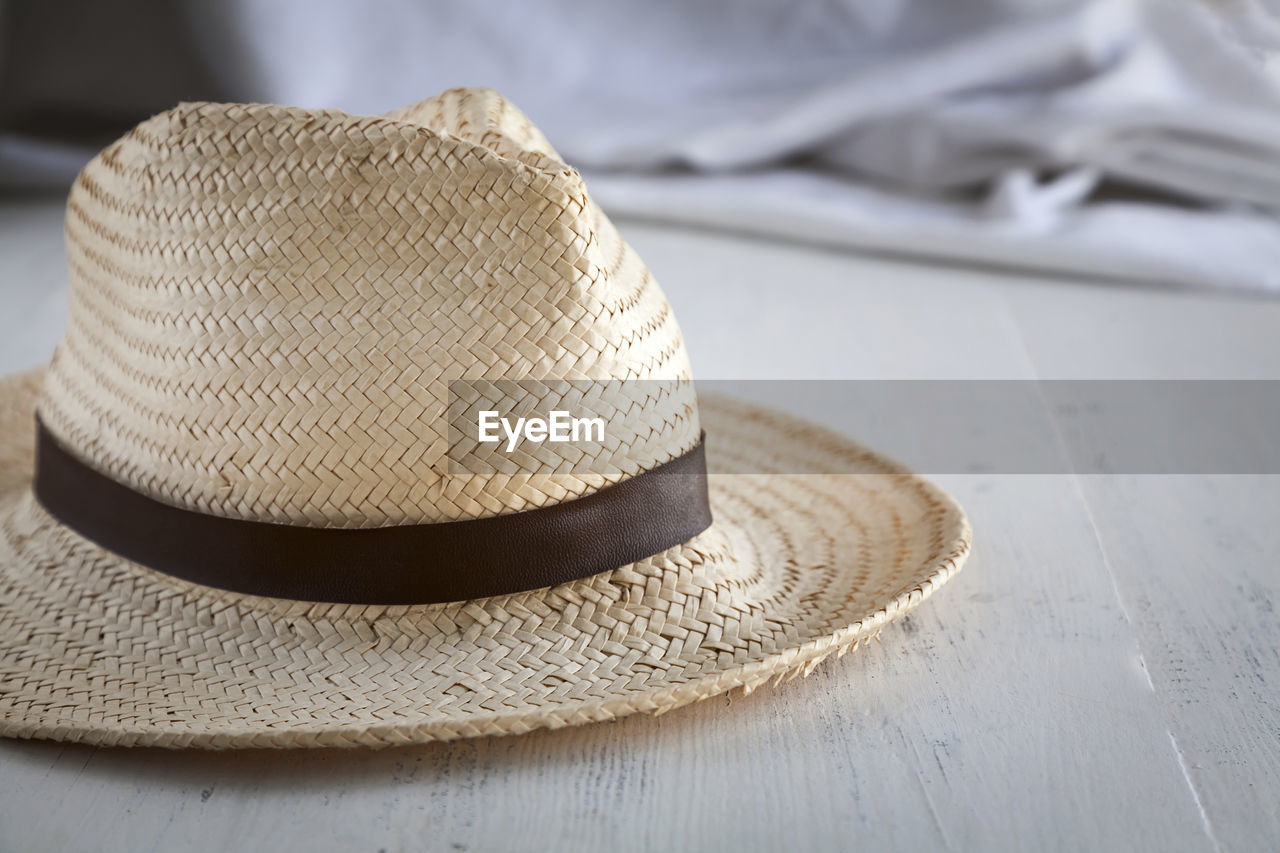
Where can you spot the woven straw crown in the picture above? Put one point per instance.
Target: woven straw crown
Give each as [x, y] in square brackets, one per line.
[268, 304]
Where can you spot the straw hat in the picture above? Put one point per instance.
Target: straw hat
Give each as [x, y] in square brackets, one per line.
[244, 527]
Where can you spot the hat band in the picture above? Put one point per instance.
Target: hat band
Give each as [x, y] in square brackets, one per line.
[406, 564]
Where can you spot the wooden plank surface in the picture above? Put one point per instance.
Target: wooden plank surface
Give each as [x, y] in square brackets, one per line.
[1195, 559]
[1102, 675]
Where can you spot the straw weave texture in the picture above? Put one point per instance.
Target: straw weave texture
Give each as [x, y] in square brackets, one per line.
[268, 303]
[267, 306]
[797, 568]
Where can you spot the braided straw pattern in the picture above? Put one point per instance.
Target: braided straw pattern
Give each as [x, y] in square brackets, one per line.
[796, 568]
[267, 305]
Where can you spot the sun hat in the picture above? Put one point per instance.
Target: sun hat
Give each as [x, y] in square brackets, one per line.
[233, 509]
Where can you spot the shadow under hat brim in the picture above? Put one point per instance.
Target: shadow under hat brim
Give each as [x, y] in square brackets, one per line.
[97, 649]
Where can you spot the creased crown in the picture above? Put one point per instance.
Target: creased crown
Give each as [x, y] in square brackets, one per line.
[267, 304]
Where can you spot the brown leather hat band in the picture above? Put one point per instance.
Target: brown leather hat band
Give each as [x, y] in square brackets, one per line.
[410, 564]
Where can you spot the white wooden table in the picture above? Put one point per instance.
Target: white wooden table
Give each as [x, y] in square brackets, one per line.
[1103, 675]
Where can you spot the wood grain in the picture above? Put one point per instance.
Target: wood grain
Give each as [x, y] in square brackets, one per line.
[1102, 675]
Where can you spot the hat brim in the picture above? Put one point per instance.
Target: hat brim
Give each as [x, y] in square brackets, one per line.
[97, 649]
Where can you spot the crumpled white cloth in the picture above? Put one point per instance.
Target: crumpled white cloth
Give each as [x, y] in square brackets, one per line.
[1021, 226]
[991, 131]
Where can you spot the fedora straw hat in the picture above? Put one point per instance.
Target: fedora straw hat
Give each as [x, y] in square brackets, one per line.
[233, 512]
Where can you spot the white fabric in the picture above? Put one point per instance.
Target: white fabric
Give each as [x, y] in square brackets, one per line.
[1022, 226]
[976, 130]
